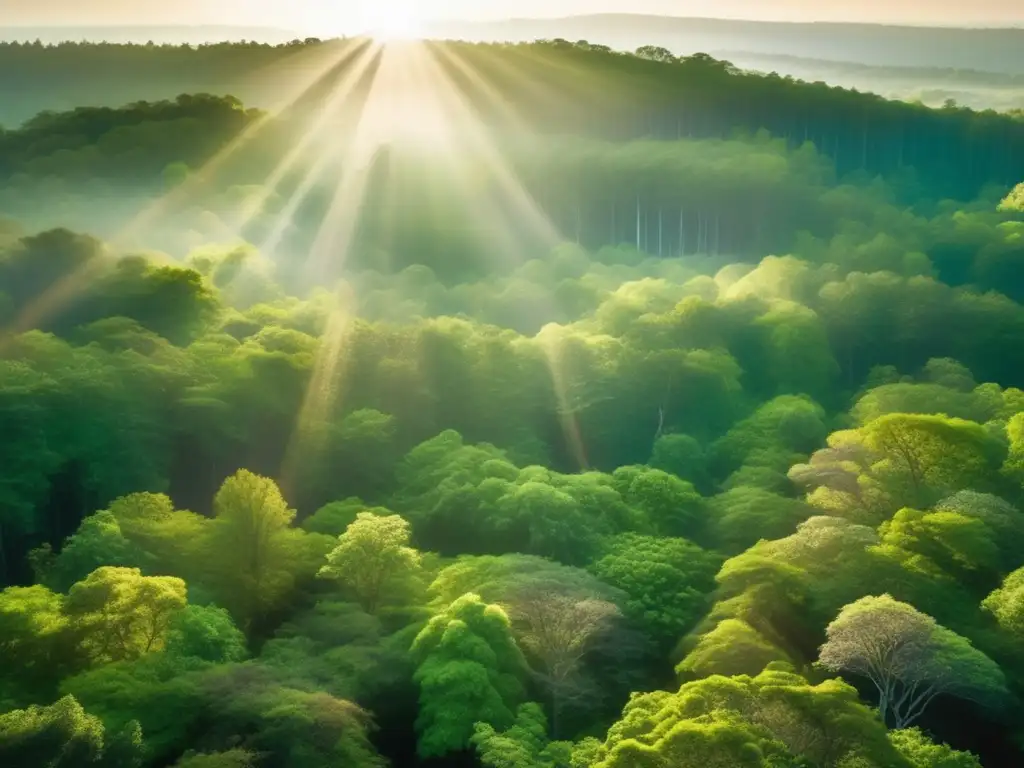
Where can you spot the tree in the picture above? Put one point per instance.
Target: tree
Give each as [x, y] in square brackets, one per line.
[557, 631]
[655, 53]
[923, 457]
[733, 647]
[35, 641]
[899, 460]
[922, 752]
[775, 718]
[468, 671]
[945, 541]
[205, 632]
[682, 455]
[524, 745]
[62, 735]
[170, 539]
[334, 518]
[743, 515]
[284, 724]
[908, 657]
[1014, 202]
[667, 581]
[1007, 603]
[498, 579]
[254, 554]
[372, 556]
[159, 690]
[97, 542]
[671, 505]
[122, 614]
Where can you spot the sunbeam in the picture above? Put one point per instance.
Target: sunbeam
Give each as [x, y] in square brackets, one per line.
[322, 392]
[196, 180]
[314, 135]
[57, 295]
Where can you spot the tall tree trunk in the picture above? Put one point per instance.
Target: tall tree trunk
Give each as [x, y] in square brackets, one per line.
[3, 557]
[638, 222]
[682, 233]
[660, 232]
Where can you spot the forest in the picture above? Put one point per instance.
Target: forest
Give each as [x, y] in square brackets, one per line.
[547, 407]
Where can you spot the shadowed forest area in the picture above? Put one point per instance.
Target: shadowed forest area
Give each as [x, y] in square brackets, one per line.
[504, 406]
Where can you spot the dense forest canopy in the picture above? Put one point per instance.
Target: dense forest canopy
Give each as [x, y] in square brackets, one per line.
[507, 407]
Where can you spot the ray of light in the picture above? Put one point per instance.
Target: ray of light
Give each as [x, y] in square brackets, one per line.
[524, 206]
[66, 288]
[531, 212]
[374, 128]
[202, 175]
[475, 79]
[340, 150]
[551, 343]
[537, 90]
[323, 391]
[315, 134]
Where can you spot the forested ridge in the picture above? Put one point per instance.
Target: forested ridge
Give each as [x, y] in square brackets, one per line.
[603, 94]
[729, 475]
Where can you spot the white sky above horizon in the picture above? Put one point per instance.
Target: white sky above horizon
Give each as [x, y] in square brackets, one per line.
[344, 16]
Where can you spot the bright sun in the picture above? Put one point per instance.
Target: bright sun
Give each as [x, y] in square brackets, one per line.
[391, 19]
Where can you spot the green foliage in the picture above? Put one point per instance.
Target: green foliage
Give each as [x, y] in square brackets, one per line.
[1014, 202]
[733, 647]
[154, 690]
[373, 558]
[98, 542]
[60, 735]
[469, 671]
[908, 657]
[671, 506]
[285, 725]
[744, 515]
[121, 614]
[1007, 603]
[774, 718]
[524, 745]
[921, 752]
[35, 640]
[667, 581]
[566, 441]
[205, 632]
[332, 519]
[255, 556]
[233, 758]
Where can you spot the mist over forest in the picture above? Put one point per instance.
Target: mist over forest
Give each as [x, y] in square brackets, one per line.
[977, 68]
[512, 404]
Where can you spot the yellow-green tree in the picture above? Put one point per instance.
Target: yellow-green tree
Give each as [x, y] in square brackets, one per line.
[372, 558]
[122, 614]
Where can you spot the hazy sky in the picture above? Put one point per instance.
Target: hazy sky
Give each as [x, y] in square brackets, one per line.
[344, 15]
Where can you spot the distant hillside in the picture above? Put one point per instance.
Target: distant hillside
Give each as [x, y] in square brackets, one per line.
[177, 35]
[994, 50]
[931, 85]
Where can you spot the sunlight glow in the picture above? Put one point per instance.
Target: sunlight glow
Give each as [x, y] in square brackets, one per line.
[412, 106]
[391, 20]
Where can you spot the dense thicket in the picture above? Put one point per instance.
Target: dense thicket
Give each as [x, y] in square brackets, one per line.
[649, 496]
